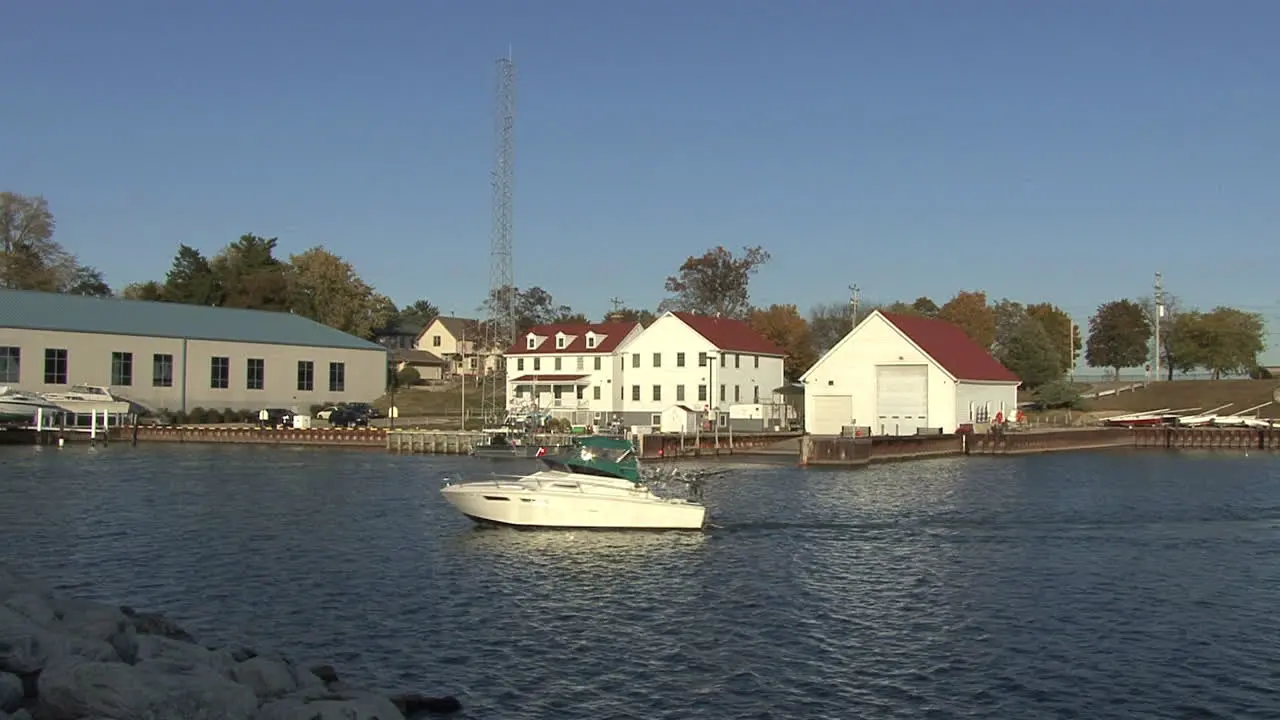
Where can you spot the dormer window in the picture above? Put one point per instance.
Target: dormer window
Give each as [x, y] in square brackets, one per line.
[591, 341]
[533, 342]
[561, 341]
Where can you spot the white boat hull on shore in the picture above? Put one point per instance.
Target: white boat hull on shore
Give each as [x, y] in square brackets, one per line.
[557, 499]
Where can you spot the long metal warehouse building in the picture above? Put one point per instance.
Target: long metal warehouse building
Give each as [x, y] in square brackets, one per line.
[179, 357]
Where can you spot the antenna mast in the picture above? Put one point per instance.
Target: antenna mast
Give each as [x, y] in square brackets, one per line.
[501, 325]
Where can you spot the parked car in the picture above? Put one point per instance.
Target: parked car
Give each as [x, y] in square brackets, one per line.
[346, 417]
[276, 417]
[365, 409]
[326, 412]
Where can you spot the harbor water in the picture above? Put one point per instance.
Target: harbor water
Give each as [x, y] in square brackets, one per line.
[1093, 585]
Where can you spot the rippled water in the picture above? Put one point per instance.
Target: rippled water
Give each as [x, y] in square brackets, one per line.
[1082, 585]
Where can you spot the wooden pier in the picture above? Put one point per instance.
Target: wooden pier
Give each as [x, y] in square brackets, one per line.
[446, 442]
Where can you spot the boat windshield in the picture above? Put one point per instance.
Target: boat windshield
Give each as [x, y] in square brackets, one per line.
[605, 454]
[87, 390]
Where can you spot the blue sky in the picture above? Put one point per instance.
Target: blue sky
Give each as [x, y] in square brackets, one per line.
[1060, 151]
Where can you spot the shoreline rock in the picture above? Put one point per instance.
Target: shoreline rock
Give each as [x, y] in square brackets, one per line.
[65, 658]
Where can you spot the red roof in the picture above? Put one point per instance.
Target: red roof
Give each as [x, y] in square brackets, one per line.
[548, 378]
[728, 334]
[614, 332]
[952, 348]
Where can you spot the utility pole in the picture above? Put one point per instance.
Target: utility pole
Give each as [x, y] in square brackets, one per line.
[854, 297]
[1071, 348]
[617, 305]
[1159, 312]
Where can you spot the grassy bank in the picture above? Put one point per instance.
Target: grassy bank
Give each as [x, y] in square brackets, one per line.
[437, 400]
[1203, 394]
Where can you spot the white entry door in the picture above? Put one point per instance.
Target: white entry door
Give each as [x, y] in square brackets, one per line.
[830, 414]
[902, 398]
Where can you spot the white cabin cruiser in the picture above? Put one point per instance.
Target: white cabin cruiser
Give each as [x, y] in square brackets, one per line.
[596, 484]
[23, 407]
[84, 399]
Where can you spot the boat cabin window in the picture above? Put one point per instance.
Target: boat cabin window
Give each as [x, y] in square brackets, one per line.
[88, 390]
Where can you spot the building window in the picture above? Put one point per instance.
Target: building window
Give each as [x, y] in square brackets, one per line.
[10, 364]
[657, 360]
[520, 364]
[581, 392]
[162, 370]
[635, 393]
[657, 393]
[55, 366]
[435, 341]
[702, 393]
[723, 360]
[722, 393]
[591, 341]
[635, 360]
[306, 375]
[582, 363]
[255, 373]
[533, 342]
[755, 394]
[557, 391]
[702, 359]
[473, 363]
[122, 368]
[597, 362]
[737, 360]
[537, 364]
[595, 392]
[757, 358]
[655, 419]
[737, 393]
[337, 377]
[679, 393]
[220, 373]
[557, 364]
[679, 359]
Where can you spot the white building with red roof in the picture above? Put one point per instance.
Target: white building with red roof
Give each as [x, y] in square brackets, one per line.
[898, 374]
[707, 364]
[569, 370]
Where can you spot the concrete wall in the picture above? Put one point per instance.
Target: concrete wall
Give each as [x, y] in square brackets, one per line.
[89, 362]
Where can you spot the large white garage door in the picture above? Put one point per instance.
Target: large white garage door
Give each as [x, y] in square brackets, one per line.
[902, 398]
[830, 414]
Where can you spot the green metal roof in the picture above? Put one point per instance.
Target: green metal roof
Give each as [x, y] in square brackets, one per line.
[29, 310]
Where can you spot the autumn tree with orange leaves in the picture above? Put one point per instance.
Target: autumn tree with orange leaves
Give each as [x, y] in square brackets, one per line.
[787, 328]
[969, 310]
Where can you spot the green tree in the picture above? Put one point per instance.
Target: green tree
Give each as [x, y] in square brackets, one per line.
[251, 276]
[526, 309]
[1009, 316]
[829, 323]
[88, 281]
[326, 288]
[419, 313]
[926, 307]
[1224, 341]
[1118, 336]
[1169, 330]
[717, 283]
[626, 314]
[149, 290]
[30, 259]
[969, 311]
[1028, 351]
[191, 279]
[1063, 332]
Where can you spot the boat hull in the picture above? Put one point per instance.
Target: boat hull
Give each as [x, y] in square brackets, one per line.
[557, 500]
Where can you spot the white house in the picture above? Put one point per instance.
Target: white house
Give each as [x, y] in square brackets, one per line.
[569, 370]
[705, 363]
[897, 373]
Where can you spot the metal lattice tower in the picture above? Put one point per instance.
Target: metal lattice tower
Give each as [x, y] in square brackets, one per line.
[501, 325]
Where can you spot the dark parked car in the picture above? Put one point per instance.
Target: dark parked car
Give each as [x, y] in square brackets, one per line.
[346, 417]
[365, 409]
[276, 417]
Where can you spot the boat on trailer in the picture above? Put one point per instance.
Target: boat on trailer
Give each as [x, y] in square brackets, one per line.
[597, 484]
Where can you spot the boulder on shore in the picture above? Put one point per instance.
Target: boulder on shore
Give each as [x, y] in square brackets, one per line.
[64, 658]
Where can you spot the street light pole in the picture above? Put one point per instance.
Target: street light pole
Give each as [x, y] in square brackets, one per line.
[462, 371]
